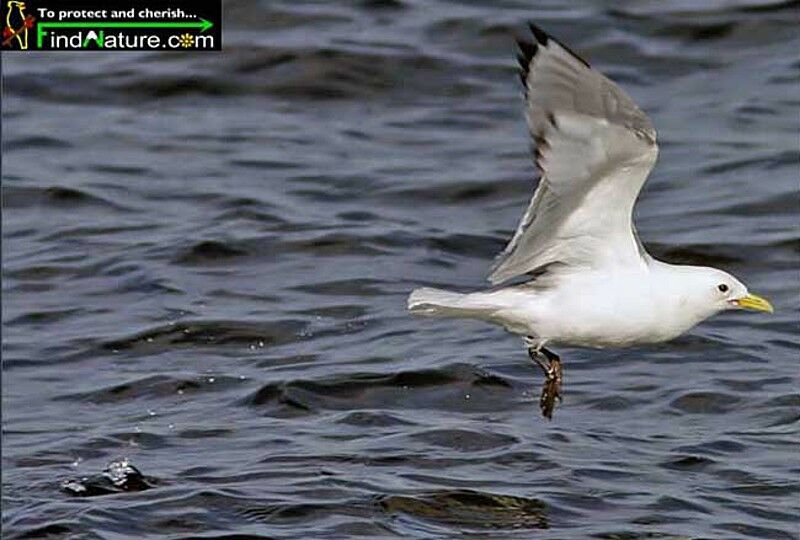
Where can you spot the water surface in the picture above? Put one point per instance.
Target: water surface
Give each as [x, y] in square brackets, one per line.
[206, 259]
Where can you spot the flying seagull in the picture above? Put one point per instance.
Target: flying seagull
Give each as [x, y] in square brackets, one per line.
[589, 282]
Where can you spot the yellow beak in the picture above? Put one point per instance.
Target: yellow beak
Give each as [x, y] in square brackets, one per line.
[755, 303]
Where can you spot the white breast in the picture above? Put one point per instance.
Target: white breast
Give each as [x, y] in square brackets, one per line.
[616, 309]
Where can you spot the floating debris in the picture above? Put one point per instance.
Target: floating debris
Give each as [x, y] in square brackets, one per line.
[117, 477]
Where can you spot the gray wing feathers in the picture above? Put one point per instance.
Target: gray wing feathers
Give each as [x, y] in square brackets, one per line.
[591, 141]
[558, 80]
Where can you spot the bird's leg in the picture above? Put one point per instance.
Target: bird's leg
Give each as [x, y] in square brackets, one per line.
[534, 353]
[551, 389]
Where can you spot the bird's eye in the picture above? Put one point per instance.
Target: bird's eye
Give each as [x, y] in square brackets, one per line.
[722, 287]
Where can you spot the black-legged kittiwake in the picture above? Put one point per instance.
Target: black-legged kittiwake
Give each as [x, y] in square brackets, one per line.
[592, 283]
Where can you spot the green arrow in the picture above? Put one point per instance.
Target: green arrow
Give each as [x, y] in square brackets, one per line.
[203, 25]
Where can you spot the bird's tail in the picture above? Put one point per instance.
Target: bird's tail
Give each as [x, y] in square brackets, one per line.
[439, 303]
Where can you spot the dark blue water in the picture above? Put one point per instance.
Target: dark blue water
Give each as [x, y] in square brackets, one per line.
[206, 259]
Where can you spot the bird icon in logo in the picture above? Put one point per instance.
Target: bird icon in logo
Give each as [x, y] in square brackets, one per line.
[17, 25]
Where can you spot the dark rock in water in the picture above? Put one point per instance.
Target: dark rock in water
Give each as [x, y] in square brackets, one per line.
[119, 476]
[471, 510]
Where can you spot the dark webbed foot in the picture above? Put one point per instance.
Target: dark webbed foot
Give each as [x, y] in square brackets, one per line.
[551, 389]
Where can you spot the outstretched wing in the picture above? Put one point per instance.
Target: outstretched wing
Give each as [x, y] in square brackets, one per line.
[594, 149]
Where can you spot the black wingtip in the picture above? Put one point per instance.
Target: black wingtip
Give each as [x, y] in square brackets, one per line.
[542, 38]
[523, 60]
[540, 35]
[527, 51]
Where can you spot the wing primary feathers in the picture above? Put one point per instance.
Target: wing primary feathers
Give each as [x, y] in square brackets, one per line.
[526, 53]
[523, 62]
[542, 38]
[540, 35]
[535, 152]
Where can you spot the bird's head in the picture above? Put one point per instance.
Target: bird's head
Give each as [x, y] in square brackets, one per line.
[712, 291]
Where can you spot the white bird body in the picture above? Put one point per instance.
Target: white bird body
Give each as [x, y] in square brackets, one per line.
[622, 307]
[592, 283]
